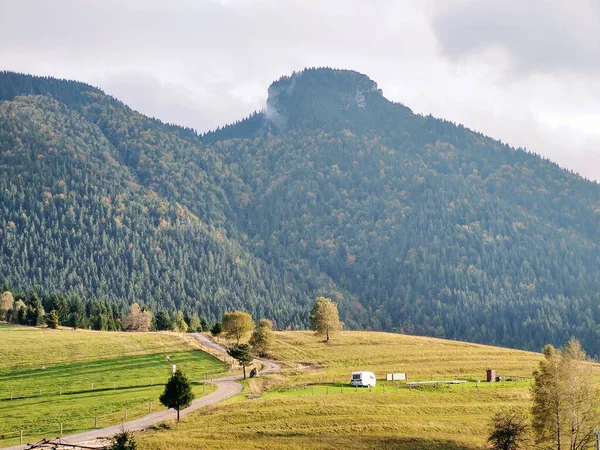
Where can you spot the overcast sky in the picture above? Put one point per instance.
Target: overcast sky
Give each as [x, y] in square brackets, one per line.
[526, 72]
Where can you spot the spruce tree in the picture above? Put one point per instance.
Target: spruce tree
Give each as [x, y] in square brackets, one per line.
[178, 392]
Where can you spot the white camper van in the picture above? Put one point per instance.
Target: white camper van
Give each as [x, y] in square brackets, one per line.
[363, 379]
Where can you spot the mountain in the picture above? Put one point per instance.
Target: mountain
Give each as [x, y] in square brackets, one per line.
[411, 223]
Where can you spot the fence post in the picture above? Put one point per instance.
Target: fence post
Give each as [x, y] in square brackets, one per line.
[204, 387]
[125, 414]
[92, 386]
[60, 391]
[114, 385]
[341, 389]
[96, 422]
[11, 396]
[326, 390]
[21, 436]
[40, 392]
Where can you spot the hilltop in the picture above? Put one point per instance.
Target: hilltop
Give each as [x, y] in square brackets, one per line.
[412, 223]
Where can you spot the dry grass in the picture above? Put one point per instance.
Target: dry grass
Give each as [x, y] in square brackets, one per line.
[421, 357]
[264, 384]
[407, 419]
[290, 417]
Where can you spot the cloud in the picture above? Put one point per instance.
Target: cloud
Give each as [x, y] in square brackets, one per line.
[538, 35]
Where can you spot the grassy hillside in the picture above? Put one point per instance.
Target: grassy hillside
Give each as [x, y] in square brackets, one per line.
[330, 415]
[420, 357]
[72, 377]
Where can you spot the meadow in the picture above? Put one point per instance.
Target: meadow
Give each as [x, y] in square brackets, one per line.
[310, 404]
[83, 379]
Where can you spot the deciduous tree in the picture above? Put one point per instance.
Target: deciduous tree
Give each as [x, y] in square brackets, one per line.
[180, 325]
[237, 325]
[7, 302]
[324, 317]
[565, 399]
[262, 338]
[195, 324]
[19, 312]
[138, 319]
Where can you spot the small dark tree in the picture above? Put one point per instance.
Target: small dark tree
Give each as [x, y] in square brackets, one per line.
[241, 353]
[217, 329]
[52, 319]
[163, 321]
[124, 440]
[508, 431]
[178, 392]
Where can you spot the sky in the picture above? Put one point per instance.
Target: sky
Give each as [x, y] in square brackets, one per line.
[524, 72]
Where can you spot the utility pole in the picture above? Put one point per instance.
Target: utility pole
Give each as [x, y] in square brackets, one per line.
[597, 434]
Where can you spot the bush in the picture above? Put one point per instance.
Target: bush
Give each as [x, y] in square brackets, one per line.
[216, 329]
[508, 431]
[125, 440]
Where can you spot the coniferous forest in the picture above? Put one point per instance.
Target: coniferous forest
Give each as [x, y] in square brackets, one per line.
[411, 223]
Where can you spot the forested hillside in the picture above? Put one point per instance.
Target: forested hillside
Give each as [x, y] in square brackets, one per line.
[412, 223]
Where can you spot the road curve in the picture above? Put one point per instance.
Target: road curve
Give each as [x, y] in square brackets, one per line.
[227, 387]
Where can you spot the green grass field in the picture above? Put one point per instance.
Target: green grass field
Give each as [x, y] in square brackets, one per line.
[73, 377]
[289, 416]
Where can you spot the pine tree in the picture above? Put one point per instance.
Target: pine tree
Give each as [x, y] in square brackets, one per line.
[178, 392]
[241, 353]
[52, 320]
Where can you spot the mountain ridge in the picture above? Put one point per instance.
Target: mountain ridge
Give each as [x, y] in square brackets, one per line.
[412, 223]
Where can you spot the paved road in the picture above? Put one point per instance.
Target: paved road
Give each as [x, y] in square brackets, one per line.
[227, 387]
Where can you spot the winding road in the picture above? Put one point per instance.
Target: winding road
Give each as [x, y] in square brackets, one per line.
[227, 387]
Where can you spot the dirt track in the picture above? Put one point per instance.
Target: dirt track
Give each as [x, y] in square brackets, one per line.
[227, 387]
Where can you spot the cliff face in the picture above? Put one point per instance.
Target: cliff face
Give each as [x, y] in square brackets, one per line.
[319, 97]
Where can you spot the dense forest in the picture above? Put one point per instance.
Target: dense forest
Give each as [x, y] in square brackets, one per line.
[412, 223]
